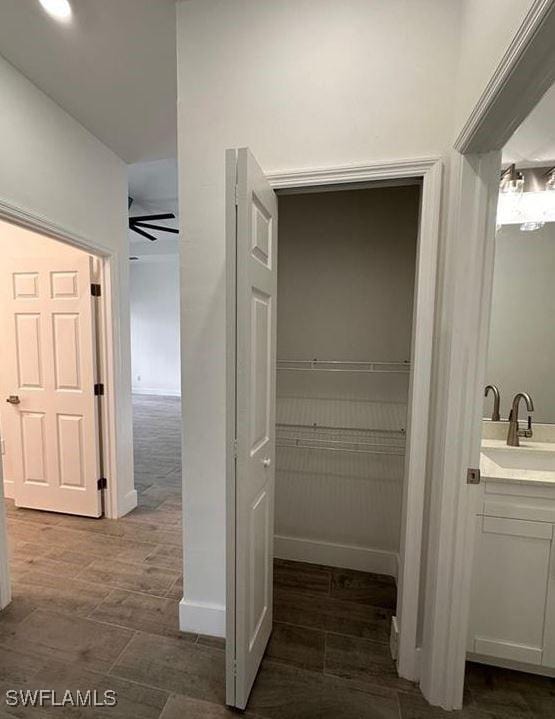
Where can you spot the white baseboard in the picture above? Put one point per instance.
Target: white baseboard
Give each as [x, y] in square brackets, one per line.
[9, 491]
[157, 392]
[346, 556]
[202, 618]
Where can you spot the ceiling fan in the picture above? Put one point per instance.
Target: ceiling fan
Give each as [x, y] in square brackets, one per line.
[141, 223]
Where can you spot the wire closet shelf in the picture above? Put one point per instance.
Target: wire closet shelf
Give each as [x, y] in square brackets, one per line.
[346, 439]
[366, 366]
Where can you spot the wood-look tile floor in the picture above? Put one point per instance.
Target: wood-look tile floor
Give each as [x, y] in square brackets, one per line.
[96, 607]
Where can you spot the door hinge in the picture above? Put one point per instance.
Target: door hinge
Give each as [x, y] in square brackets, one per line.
[95, 289]
[2, 446]
[236, 195]
[102, 483]
[473, 476]
[99, 389]
[235, 448]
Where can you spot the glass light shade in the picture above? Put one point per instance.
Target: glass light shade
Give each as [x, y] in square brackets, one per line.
[59, 9]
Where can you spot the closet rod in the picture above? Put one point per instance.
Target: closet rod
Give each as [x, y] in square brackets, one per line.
[303, 444]
[307, 365]
[325, 427]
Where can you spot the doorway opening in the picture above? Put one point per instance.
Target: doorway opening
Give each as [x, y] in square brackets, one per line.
[511, 628]
[330, 407]
[154, 297]
[75, 587]
[346, 280]
[51, 375]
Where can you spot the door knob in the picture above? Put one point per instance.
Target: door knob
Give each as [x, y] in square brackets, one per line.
[13, 399]
[266, 462]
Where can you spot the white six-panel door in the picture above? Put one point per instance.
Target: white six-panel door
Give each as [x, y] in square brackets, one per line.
[48, 369]
[253, 275]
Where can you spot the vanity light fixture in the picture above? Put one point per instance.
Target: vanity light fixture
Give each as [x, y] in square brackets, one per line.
[546, 199]
[511, 180]
[58, 9]
[526, 198]
[511, 188]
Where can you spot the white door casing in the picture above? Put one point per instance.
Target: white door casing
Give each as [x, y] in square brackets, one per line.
[252, 266]
[51, 435]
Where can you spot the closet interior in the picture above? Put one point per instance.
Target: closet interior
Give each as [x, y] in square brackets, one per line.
[346, 275]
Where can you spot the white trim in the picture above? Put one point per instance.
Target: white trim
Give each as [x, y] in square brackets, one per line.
[418, 167]
[471, 238]
[157, 392]
[41, 224]
[394, 638]
[230, 414]
[202, 618]
[5, 583]
[516, 85]
[430, 170]
[109, 332]
[347, 556]
[414, 487]
[9, 491]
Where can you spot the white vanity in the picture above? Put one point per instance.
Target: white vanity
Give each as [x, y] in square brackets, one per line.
[512, 616]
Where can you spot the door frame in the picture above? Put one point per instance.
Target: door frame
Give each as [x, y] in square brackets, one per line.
[525, 73]
[429, 171]
[108, 269]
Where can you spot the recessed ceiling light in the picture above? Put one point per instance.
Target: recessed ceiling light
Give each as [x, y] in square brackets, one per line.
[59, 9]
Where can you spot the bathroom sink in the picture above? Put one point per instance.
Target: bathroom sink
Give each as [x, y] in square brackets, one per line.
[531, 461]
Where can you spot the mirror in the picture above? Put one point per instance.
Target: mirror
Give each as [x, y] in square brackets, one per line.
[521, 356]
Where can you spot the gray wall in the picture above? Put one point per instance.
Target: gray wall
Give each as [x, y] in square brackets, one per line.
[346, 263]
[522, 332]
[346, 266]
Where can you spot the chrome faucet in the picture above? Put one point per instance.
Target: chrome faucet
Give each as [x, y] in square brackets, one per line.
[496, 401]
[514, 431]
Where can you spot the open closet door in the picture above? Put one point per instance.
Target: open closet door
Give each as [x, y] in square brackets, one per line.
[251, 228]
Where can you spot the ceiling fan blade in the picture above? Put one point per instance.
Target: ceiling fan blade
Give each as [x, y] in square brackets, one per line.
[155, 227]
[144, 234]
[163, 216]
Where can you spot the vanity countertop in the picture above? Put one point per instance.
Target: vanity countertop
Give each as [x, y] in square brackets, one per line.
[532, 463]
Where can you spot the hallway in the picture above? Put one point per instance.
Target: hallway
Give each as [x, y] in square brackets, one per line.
[96, 606]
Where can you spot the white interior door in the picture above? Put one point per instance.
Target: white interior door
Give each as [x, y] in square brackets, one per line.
[48, 405]
[252, 283]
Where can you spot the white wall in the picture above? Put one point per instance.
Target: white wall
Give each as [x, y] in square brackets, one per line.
[304, 83]
[486, 30]
[522, 332]
[154, 296]
[53, 168]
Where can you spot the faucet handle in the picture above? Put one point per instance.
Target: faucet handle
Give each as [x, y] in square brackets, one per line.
[528, 431]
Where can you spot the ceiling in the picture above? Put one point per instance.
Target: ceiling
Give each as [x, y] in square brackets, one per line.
[533, 143]
[130, 106]
[153, 187]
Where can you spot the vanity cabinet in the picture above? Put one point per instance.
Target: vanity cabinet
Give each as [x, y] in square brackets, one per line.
[512, 616]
